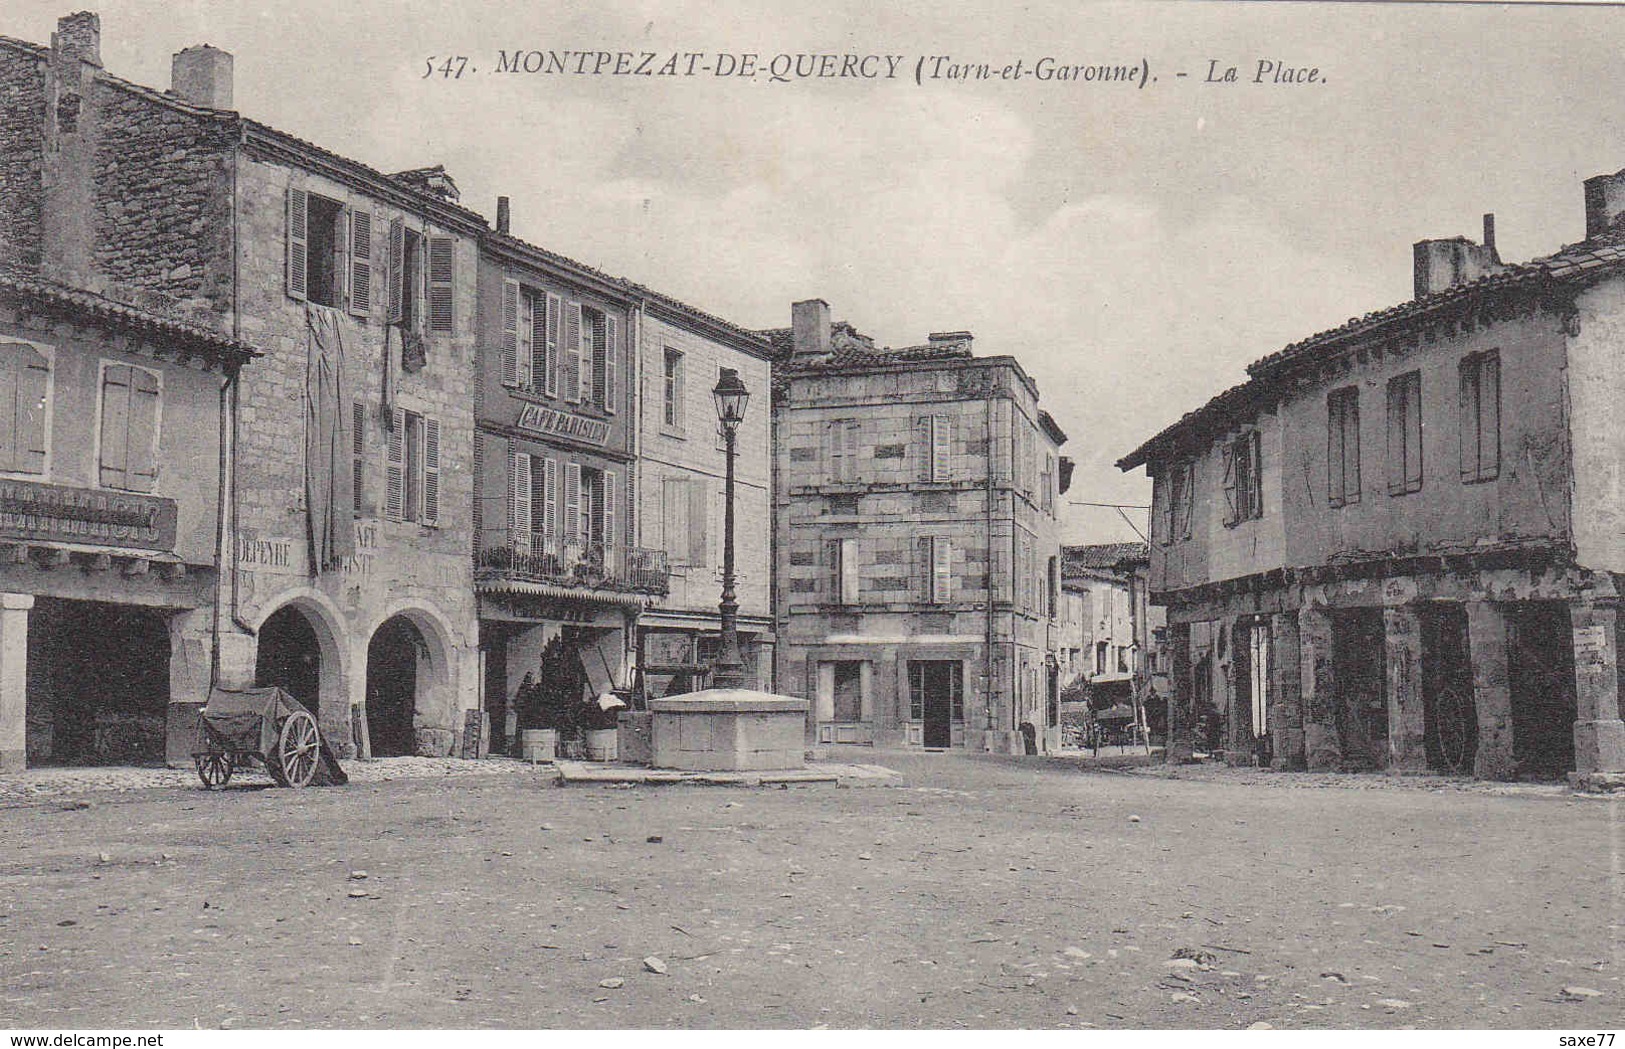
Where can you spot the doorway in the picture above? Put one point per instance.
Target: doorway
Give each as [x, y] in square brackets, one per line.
[1540, 676]
[392, 687]
[1449, 714]
[1359, 668]
[98, 688]
[290, 657]
[937, 694]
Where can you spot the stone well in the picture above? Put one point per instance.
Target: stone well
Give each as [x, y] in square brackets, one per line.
[729, 729]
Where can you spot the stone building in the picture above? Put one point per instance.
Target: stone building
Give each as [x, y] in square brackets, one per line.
[681, 469]
[556, 486]
[917, 557]
[112, 422]
[349, 519]
[1401, 539]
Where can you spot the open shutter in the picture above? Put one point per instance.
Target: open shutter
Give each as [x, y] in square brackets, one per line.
[555, 335]
[837, 451]
[397, 271]
[536, 359]
[611, 488]
[519, 502]
[298, 243]
[572, 352]
[924, 583]
[33, 388]
[113, 465]
[832, 564]
[1467, 420]
[360, 262]
[572, 503]
[849, 571]
[591, 342]
[526, 322]
[510, 333]
[550, 498]
[941, 446]
[142, 443]
[358, 454]
[942, 579]
[1413, 434]
[1230, 484]
[441, 255]
[431, 472]
[612, 352]
[11, 407]
[395, 497]
[1255, 481]
[1489, 415]
[1396, 437]
[699, 514]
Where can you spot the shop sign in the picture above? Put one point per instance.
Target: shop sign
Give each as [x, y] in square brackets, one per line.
[274, 554]
[554, 423]
[32, 510]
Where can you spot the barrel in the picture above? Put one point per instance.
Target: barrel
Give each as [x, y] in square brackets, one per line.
[602, 744]
[538, 744]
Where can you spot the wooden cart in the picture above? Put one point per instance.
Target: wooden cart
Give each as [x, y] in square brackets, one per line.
[262, 726]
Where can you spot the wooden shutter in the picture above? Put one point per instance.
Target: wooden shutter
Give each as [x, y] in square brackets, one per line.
[923, 447]
[1255, 456]
[941, 446]
[1230, 483]
[431, 472]
[610, 484]
[519, 502]
[441, 271]
[1413, 432]
[510, 333]
[141, 441]
[674, 519]
[1396, 435]
[1489, 415]
[1468, 418]
[588, 358]
[539, 349]
[113, 464]
[942, 579]
[397, 271]
[555, 335]
[360, 262]
[33, 382]
[298, 243]
[523, 340]
[849, 571]
[832, 563]
[550, 498]
[572, 503]
[572, 352]
[924, 582]
[699, 517]
[395, 488]
[358, 454]
[612, 350]
[1162, 496]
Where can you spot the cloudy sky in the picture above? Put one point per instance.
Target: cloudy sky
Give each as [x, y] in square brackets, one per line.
[1135, 248]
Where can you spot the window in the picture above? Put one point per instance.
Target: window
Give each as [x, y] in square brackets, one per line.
[25, 407]
[127, 455]
[945, 679]
[405, 276]
[684, 509]
[1243, 487]
[314, 236]
[414, 469]
[1343, 446]
[1481, 416]
[671, 398]
[937, 560]
[1122, 659]
[1405, 433]
[441, 262]
[842, 557]
[847, 690]
[936, 434]
[841, 446]
[1176, 485]
[599, 507]
[1100, 656]
[1046, 484]
[1054, 587]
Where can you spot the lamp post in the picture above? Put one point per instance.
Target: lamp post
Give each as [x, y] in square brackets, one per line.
[731, 397]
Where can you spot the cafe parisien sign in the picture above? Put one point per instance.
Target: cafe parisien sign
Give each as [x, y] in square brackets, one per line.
[554, 423]
[31, 510]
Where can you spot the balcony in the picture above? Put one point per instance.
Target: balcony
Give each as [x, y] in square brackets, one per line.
[553, 561]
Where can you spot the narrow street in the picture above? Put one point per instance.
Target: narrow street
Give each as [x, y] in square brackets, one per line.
[967, 891]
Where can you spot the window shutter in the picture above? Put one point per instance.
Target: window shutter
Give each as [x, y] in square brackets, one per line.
[1468, 421]
[11, 408]
[572, 503]
[395, 496]
[519, 502]
[832, 562]
[610, 487]
[924, 444]
[33, 389]
[142, 443]
[298, 242]
[539, 321]
[1162, 496]
[524, 346]
[441, 255]
[113, 472]
[1255, 452]
[849, 571]
[1397, 429]
[924, 584]
[572, 352]
[358, 454]
[591, 340]
[1187, 499]
[555, 327]
[431, 472]
[942, 579]
[360, 262]
[1413, 433]
[397, 271]
[673, 523]
[510, 333]
[612, 351]
[941, 446]
[550, 498]
[699, 517]
[1489, 415]
[1230, 483]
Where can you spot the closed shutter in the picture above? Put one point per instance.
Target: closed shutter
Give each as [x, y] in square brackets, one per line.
[1413, 434]
[33, 389]
[397, 271]
[113, 465]
[942, 579]
[699, 514]
[1489, 416]
[142, 441]
[555, 330]
[832, 567]
[537, 363]
[1230, 483]
[612, 352]
[523, 349]
[941, 446]
[1255, 458]
[924, 582]
[431, 472]
[1162, 497]
[360, 262]
[519, 502]
[550, 498]
[592, 342]
[441, 271]
[674, 519]
[395, 495]
[298, 243]
[572, 352]
[510, 333]
[572, 503]
[358, 454]
[924, 446]
[610, 500]
[849, 571]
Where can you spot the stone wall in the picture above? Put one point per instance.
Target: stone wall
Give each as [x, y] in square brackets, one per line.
[22, 147]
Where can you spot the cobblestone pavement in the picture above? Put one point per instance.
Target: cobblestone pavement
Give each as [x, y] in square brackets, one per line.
[967, 891]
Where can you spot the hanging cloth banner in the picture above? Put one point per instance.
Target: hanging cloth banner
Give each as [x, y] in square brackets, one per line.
[329, 483]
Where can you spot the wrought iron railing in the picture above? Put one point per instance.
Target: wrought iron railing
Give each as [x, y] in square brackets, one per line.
[596, 566]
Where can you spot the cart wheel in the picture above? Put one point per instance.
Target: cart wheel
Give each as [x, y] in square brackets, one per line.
[298, 750]
[214, 769]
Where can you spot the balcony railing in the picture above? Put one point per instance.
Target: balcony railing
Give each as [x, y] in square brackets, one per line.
[593, 566]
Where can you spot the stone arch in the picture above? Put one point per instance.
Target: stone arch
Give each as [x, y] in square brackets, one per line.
[435, 710]
[305, 618]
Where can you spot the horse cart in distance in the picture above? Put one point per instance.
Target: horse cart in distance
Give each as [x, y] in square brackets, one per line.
[262, 726]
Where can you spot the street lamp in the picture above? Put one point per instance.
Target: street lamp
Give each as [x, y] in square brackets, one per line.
[731, 397]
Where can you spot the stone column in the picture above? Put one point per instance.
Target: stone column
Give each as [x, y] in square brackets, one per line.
[1402, 658]
[190, 635]
[1492, 693]
[1238, 744]
[1286, 709]
[1179, 750]
[1599, 733]
[1323, 748]
[14, 681]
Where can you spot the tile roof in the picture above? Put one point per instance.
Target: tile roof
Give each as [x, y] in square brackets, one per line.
[50, 295]
[1102, 555]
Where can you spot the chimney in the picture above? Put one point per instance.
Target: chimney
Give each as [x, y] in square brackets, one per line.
[1605, 201]
[809, 324]
[940, 339]
[79, 35]
[201, 75]
[502, 215]
[1447, 262]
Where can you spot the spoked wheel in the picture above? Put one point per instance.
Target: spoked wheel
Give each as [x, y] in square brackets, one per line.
[214, 769]
[297, 752]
